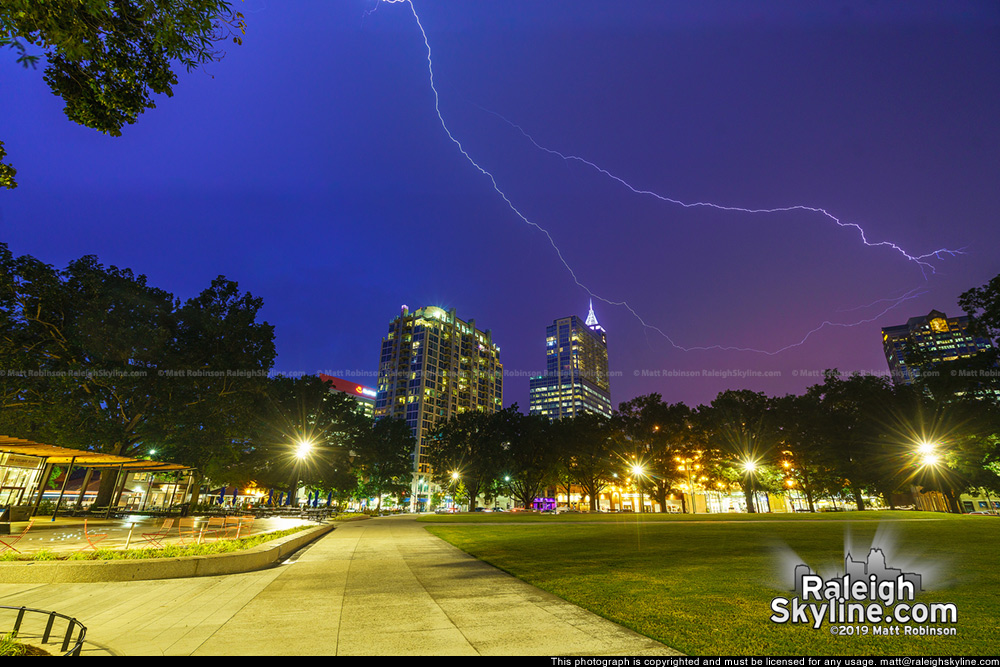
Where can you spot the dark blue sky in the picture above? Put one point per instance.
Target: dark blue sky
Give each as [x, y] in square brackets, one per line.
[310, 166]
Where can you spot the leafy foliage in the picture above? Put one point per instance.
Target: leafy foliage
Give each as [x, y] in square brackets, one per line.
[107, 58]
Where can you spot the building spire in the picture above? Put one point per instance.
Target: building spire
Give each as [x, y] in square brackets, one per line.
[591, 318]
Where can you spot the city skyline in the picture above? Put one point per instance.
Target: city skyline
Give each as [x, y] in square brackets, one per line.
[310, 166]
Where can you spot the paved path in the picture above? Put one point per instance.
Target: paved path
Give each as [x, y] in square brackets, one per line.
[378, 587]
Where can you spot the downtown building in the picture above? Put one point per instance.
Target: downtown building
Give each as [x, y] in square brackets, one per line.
[933, 338]
[434, 366]
[362, 395]
[576, 370]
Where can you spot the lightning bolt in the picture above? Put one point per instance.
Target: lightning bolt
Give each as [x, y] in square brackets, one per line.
[918, 259]
[493, 181]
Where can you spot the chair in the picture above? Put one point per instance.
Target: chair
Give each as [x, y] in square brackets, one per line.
[8, 541]
[156, 539]
[218, 527]
[186, 529]
[93, 539]
[244, 524]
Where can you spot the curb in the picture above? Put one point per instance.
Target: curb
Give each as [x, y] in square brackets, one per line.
[86, 571]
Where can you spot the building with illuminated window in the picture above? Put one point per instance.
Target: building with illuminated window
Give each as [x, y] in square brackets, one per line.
[434, 366]
[364, 396]
[576, 370]
[930, 339]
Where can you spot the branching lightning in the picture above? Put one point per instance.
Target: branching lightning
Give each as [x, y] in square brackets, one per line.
[920, 260]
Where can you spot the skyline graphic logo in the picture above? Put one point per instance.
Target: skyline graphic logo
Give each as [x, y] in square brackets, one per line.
[869, 598]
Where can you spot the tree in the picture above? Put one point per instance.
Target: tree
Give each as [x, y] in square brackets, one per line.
[382, 459]
[99, 359]
[467, 448]
[660, 438]
[211, 409]
[869, 425]
[305, 436]
[803, 453]
[982, 304]
[590, 453]
[107, 58]
[7, 172]
[738, 427]
[531, 453]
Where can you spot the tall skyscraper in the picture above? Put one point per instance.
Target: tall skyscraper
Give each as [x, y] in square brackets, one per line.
[934, 337]
[576, 370]
[435, 366]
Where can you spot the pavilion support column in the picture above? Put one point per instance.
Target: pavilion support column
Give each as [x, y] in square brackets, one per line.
[114, 492]
[42, 483]
[149, 490]
[62, 491]
[187, 487]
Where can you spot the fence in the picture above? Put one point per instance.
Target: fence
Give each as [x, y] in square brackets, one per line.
[27, 627]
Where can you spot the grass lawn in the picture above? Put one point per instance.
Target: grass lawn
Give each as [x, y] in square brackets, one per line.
[704, 584]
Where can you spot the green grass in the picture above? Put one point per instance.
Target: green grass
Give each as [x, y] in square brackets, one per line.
[11, 648]
[705, 587]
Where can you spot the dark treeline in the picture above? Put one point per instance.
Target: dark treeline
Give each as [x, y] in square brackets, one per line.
[93, 357]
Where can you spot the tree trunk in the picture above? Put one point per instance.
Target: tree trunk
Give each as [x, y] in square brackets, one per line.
[196, 479]
[661, 497]
[106, 491]
[748, 495]
[83, 488]
[953, 502]
[858, 500]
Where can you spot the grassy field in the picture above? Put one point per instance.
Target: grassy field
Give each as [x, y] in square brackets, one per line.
[704, 584]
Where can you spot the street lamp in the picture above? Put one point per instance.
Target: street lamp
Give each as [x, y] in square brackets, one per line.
[749, 468]
[638, 472]
[303, 449]
[928, 454]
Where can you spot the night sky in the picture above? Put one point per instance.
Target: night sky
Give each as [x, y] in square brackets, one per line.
[310, 166]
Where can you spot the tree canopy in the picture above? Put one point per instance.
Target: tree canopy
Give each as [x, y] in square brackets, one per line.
[107, 58]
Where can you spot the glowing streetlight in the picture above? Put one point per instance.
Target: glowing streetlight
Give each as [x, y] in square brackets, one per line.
[927, 451]
[302, 450]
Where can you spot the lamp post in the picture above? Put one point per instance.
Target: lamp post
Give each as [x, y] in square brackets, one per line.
[637, 473]
[749, 467]
[302, 451]
[928, 460]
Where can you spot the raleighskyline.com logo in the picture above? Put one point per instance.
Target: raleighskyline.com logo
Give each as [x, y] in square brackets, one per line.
[869, 598]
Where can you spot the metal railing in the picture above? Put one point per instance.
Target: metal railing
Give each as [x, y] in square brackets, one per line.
[28, 627]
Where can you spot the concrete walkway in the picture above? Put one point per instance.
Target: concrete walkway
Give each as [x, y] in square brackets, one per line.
[379, 587]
